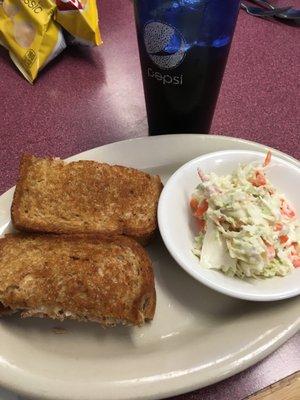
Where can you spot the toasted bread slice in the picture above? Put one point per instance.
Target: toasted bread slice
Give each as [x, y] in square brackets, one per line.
[85, 197]
[82, 277]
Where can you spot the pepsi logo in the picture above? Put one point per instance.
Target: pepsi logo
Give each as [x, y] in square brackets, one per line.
[165, 45]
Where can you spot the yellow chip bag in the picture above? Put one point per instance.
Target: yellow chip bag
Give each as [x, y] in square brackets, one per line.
[80, 19]
[31, 35]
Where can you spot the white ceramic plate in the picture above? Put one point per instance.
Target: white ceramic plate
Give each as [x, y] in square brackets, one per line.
[177, 225]
[198, 336]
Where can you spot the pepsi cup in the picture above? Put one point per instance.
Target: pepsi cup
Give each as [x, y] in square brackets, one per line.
[184, 46]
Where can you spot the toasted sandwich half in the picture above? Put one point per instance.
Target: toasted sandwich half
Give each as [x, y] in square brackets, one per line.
[81, 277]
[85, 197]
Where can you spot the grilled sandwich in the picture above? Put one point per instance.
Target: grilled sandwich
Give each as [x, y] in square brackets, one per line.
[85, 197]
[108, 280]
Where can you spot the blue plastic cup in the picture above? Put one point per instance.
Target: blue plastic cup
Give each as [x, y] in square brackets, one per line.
[184, 46]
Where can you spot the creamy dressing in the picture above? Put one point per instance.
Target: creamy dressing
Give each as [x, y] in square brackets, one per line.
[246, 228]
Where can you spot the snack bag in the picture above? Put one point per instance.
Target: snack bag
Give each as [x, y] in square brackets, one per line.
[80, 19]
[28, 30]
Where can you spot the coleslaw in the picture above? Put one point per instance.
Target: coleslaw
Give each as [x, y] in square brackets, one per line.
[245, 227]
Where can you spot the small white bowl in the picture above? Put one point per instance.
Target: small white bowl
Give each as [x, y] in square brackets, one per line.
[177, 225]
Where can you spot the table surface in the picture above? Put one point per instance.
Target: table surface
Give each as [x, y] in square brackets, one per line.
[87, 98]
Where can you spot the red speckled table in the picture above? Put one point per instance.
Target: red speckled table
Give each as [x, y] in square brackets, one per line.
[87, 98]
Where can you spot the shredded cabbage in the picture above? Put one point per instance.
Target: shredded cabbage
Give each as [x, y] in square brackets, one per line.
[250, 229]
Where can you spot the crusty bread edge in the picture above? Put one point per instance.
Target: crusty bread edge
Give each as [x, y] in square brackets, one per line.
[146, 304]
[23, 167]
